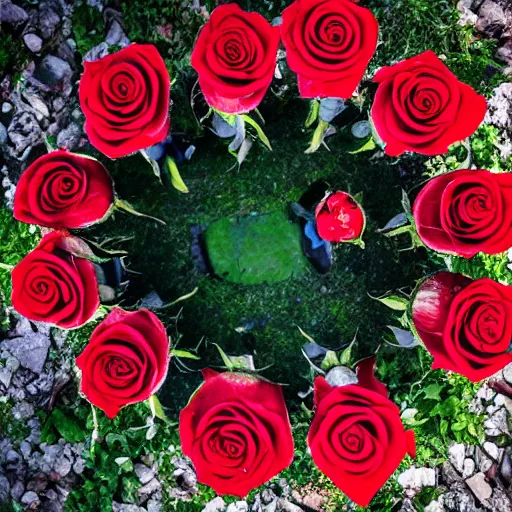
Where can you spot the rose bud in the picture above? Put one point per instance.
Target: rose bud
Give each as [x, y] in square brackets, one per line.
[329, 44]
[125, 99]
[466, 212]
[62, 190]
[125, 361]
[53, 285]
[466, 325]
[339, 218]
[237, 432]
[235, 58]
[421, 106]
[357, 438]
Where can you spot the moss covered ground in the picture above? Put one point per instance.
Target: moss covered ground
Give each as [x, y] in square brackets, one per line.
[263, 320]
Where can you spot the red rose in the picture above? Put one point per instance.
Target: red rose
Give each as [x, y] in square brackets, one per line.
[339, 218]
[357, 438]
[465, 212]
[62, 190]
[125, 100]
[420, 106]
[237, 432]
[329, 44]
[54, 286]
[125, 361]
[235, 57]
[466, 325]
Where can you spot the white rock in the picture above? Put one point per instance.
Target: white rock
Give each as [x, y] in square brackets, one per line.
[456, 454]
[238, 506]
[216, 505]
[417, 478]
[492, 450]
[6, 107]
[469, 468]
[507, 373]
[34, 42]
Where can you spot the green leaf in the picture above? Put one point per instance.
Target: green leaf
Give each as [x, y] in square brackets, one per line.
[346, 355]
[68, 427]
[153, 163]
[460, 425]
[443, 427]
[184, 353]
[258, 129]
[394, 302]
[314, 108]
[432, 392]
[127, 207]
[176, 179]
[157, 409]
[472, 430]
[367, 146]
[330, 360]
[113, 439]
[318, 136]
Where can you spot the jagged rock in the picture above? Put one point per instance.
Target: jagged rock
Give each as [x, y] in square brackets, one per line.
[17, 491]
[506, 466]
[144, 474]
[499, 501]
[449, 473]
[483, 462]
[12, 14]
[507, 371]
[97, 52]
[3, 134]
[6, 107]
[152, 301]
[479, 487]
[69, 138]
[456, 454]
[151, 487]
[497, 424]
[122, 507]
[34, 42]
[491, 19]
[5, 489]
[30, 350]
[22, 411]
[48, 22]
[434, 506]
[505, 53]
[417, 478]
[459, 499]
[31, 500]
[216, 505]
[24, 131]
[53, 71]
[116, 35]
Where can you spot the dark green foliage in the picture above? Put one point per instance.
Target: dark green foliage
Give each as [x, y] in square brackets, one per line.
[87, 27]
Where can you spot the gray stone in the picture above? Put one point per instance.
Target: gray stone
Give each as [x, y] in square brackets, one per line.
[151, 487]
[507, 373]
[69, 138]
[341, 376]
[96, 52]
[152, 301]
[122, 507]
[24, 131]
[25, 449]
[238, 506]
[154, 506]
[30, 350]
[216, 505]
[79, 466]
[34, 42]
[491, 19]
[17, 491]
[492, 450]
[5, 377]
[434, 506]
[144, 474]
[3, 134]
[417, 478]
[5, 489]
[6, 107]
[459, 499]
[22, 411]
[116, 35]
[48, 22]
[497, 424]
[449, 473]
[12, 14]
[286, 506]
[456, 454]
[469, 468]
[54, 71]
[62, 466]
[479, 487]
[30, 499]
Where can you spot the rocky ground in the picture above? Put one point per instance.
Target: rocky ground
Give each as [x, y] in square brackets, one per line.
[35, 366]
